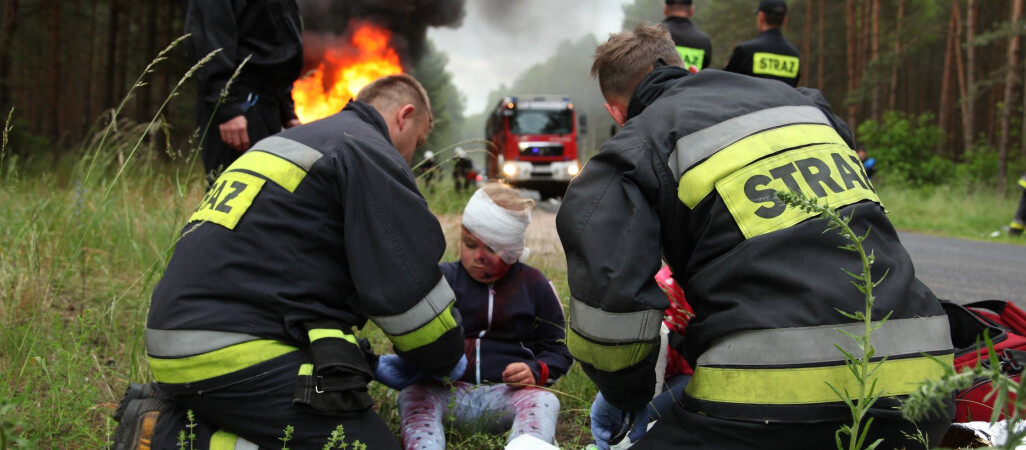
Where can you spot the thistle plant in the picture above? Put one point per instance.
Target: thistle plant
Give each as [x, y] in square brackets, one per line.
[860, 365]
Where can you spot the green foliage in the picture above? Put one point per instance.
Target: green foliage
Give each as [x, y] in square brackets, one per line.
[903, 146]
[11, 427]
[446, 101]
[859, 402]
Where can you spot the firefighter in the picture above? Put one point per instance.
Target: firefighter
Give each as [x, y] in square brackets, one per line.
[693, 44]
[303, 238]
[1015, 228]
[691, 177]
[770, 55]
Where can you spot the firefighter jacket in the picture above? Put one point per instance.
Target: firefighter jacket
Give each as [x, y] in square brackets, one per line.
[518, 318]
[320, 222]
[769, 55]
[265, 31]
[691, 176]
[694, 45]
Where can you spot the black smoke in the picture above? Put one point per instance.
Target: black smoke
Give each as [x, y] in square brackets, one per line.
[408, 20]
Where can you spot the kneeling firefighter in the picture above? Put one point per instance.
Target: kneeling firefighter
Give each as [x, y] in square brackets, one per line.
[692, 177]
[304, 237]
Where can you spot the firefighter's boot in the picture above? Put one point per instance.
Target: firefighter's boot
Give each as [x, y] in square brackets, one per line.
[137, 417]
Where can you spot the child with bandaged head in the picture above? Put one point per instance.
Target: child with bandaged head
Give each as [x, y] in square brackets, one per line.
[514, 327]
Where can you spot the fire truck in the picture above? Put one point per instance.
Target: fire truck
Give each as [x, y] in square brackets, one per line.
[534, 143]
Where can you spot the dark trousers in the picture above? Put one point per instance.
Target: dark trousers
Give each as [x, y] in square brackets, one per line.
[682, 429]
[256, 404]
[263, 119]
[1020, 213]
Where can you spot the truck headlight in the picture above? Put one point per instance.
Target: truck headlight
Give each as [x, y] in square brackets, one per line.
[573, 169]
[509, 169]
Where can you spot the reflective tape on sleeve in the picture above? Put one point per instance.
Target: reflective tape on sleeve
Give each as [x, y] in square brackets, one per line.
[426, 334]
[697, 146]
[819, 345]
[810, 385]
[614, 328]
[322, 333]
[218, 362]
[607, 357]
[434, 303]
[224, 440]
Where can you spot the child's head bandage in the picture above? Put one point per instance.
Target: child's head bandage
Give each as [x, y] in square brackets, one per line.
[499, 228]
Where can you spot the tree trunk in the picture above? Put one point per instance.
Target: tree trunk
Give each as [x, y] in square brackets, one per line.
[10, 23]
[51, 126]
[110, 94]
[820, 54]
[943, 116]
[852, 40]
[148, 91]
[1006, 113]
[807, 43]
[969, 95]
[892, 94]
[875, 60]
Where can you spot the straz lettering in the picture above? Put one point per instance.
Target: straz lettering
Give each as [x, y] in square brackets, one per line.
[229, 198]
[691, 56]
[776, 65]
[826, 172]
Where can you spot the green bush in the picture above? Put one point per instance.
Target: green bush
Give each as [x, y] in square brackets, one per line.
[903, 146]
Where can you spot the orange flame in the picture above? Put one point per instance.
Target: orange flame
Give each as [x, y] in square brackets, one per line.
[345, 70]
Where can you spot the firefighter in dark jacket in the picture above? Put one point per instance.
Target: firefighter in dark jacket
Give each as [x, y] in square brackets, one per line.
[770, 55]
[694, 45]
[303, 238]
[259, 101]
[691, 176]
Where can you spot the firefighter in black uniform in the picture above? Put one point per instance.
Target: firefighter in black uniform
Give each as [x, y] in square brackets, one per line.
[690, 177]
[769, 55]
[693, 44]
[259, 101]
[306, 236]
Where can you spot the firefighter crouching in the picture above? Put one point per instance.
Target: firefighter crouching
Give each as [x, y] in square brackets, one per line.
[304, 237]
[691, 177]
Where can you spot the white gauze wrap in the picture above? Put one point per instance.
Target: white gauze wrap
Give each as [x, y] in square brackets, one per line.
[500, 229]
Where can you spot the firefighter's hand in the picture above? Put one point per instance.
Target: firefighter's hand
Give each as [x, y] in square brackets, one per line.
[397, 373]
[606, 422]
[518, 375]
[234, 133]
[292, 123]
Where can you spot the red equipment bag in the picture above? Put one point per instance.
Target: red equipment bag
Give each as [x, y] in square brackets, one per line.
[1005, 324]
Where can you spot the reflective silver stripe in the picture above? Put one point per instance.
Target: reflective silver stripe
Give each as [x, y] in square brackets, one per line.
[697, 146]
[180, 343]
[603, 326]
[440, 297]
[242, 444]
[299, 154]
[810, 345]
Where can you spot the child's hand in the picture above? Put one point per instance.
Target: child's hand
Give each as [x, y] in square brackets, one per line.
[518, 375]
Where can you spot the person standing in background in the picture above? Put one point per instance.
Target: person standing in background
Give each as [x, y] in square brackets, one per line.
[259, 101]
[694, 45]
[769, 55]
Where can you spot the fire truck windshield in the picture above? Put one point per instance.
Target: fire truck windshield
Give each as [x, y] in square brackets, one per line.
[541, 121]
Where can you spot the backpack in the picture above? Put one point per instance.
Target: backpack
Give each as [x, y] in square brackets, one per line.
[1005, 324]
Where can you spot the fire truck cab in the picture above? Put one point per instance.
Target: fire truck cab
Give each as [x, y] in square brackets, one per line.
[534, 143]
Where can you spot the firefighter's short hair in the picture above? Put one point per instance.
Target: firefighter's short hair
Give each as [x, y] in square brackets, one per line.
[622, 61]
[393, 91]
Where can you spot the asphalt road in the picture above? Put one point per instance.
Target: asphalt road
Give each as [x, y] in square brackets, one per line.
[964, 271]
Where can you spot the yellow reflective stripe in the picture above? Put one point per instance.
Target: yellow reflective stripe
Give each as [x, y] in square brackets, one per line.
[426, 334]
[306, 369]
[218, 362]
[608, 358]
[229, 198]
[273, 167]
[1017, 226]
[698, 182]
[223, 440]
[823, 172]
[321, 333]
[691, 56]
[1022, 182]
[776, 65]
[808, 385]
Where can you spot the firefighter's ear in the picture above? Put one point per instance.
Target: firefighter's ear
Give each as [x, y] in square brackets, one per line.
[617, 112]
[404, 116]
